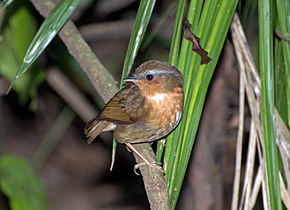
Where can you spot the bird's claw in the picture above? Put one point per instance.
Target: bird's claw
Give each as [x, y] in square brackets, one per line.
[156, 165]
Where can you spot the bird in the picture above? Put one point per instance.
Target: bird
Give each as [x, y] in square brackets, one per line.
[148, 108]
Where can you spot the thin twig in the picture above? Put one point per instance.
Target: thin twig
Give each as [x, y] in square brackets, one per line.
[284, 193]
[239, 146]
[256, 188]
[253, 91]
[70, 94]
[251, 162]
[52, 137]
[111, 29]
[249, 166]
[265, 195]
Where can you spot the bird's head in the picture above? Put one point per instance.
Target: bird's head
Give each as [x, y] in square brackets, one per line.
[156, 77]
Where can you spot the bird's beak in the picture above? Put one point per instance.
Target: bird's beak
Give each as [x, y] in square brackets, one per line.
[129, 79]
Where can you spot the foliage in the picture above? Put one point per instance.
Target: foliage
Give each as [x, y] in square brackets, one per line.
[17, 33]
[48, 30]
[266, 60]
[210, 21]
[21, 185]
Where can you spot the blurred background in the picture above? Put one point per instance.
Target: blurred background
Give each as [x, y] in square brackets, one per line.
[37, 125]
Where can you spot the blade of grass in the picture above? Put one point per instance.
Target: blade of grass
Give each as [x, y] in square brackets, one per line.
[204, 30]
[50, 27]
[5, 3]
[52, 138]
[143, 16]
[185, 58]
[267, 97]
[197, 93]
[280, 81]
[184, 61]
[158, 25]
[176, 37]
[173, 59]
[283, 9]
[248, 10]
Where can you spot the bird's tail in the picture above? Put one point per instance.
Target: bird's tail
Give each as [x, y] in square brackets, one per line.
[94, 128]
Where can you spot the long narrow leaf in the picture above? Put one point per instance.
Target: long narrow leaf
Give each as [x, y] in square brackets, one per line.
[216, 18]
[183, 64]
[283, 9]
[5, 3]
[50, 27]
[280, 75]
[267, 86]
[173, 59]
[158, 25]
[175, 43]
[141, 23]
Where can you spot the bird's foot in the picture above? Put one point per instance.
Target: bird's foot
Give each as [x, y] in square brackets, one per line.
[145, 161]
[156, 165]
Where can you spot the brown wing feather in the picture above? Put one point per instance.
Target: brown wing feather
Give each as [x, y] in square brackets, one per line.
[94, 128]
[125, 107]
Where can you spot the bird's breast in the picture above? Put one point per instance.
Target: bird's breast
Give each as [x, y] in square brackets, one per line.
[165, 109]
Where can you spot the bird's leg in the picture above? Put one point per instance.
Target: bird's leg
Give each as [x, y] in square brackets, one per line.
[146, 162]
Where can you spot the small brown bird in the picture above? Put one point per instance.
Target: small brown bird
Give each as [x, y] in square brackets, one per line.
[148, 108]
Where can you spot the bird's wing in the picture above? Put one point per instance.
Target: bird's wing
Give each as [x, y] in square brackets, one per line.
[94, 128]
[125, 107]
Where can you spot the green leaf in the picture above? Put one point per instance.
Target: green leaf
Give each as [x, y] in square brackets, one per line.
[173, 59]
[50, 27]
[20, 184]
[5, 3]
[283, 12]
[143, 16]
[266, 33]
[23, 27]
[213, 24]
[175, 43]
[158, 25]
[280, 76]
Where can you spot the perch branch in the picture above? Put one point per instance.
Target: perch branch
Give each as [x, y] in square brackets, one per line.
[105, 85]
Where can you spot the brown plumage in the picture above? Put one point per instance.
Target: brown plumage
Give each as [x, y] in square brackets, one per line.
[148, 108]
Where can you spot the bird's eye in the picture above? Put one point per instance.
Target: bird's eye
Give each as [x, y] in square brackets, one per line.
[149, 77]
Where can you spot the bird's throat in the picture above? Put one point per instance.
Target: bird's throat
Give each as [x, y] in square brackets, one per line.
[158, 97]
[165, 107]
